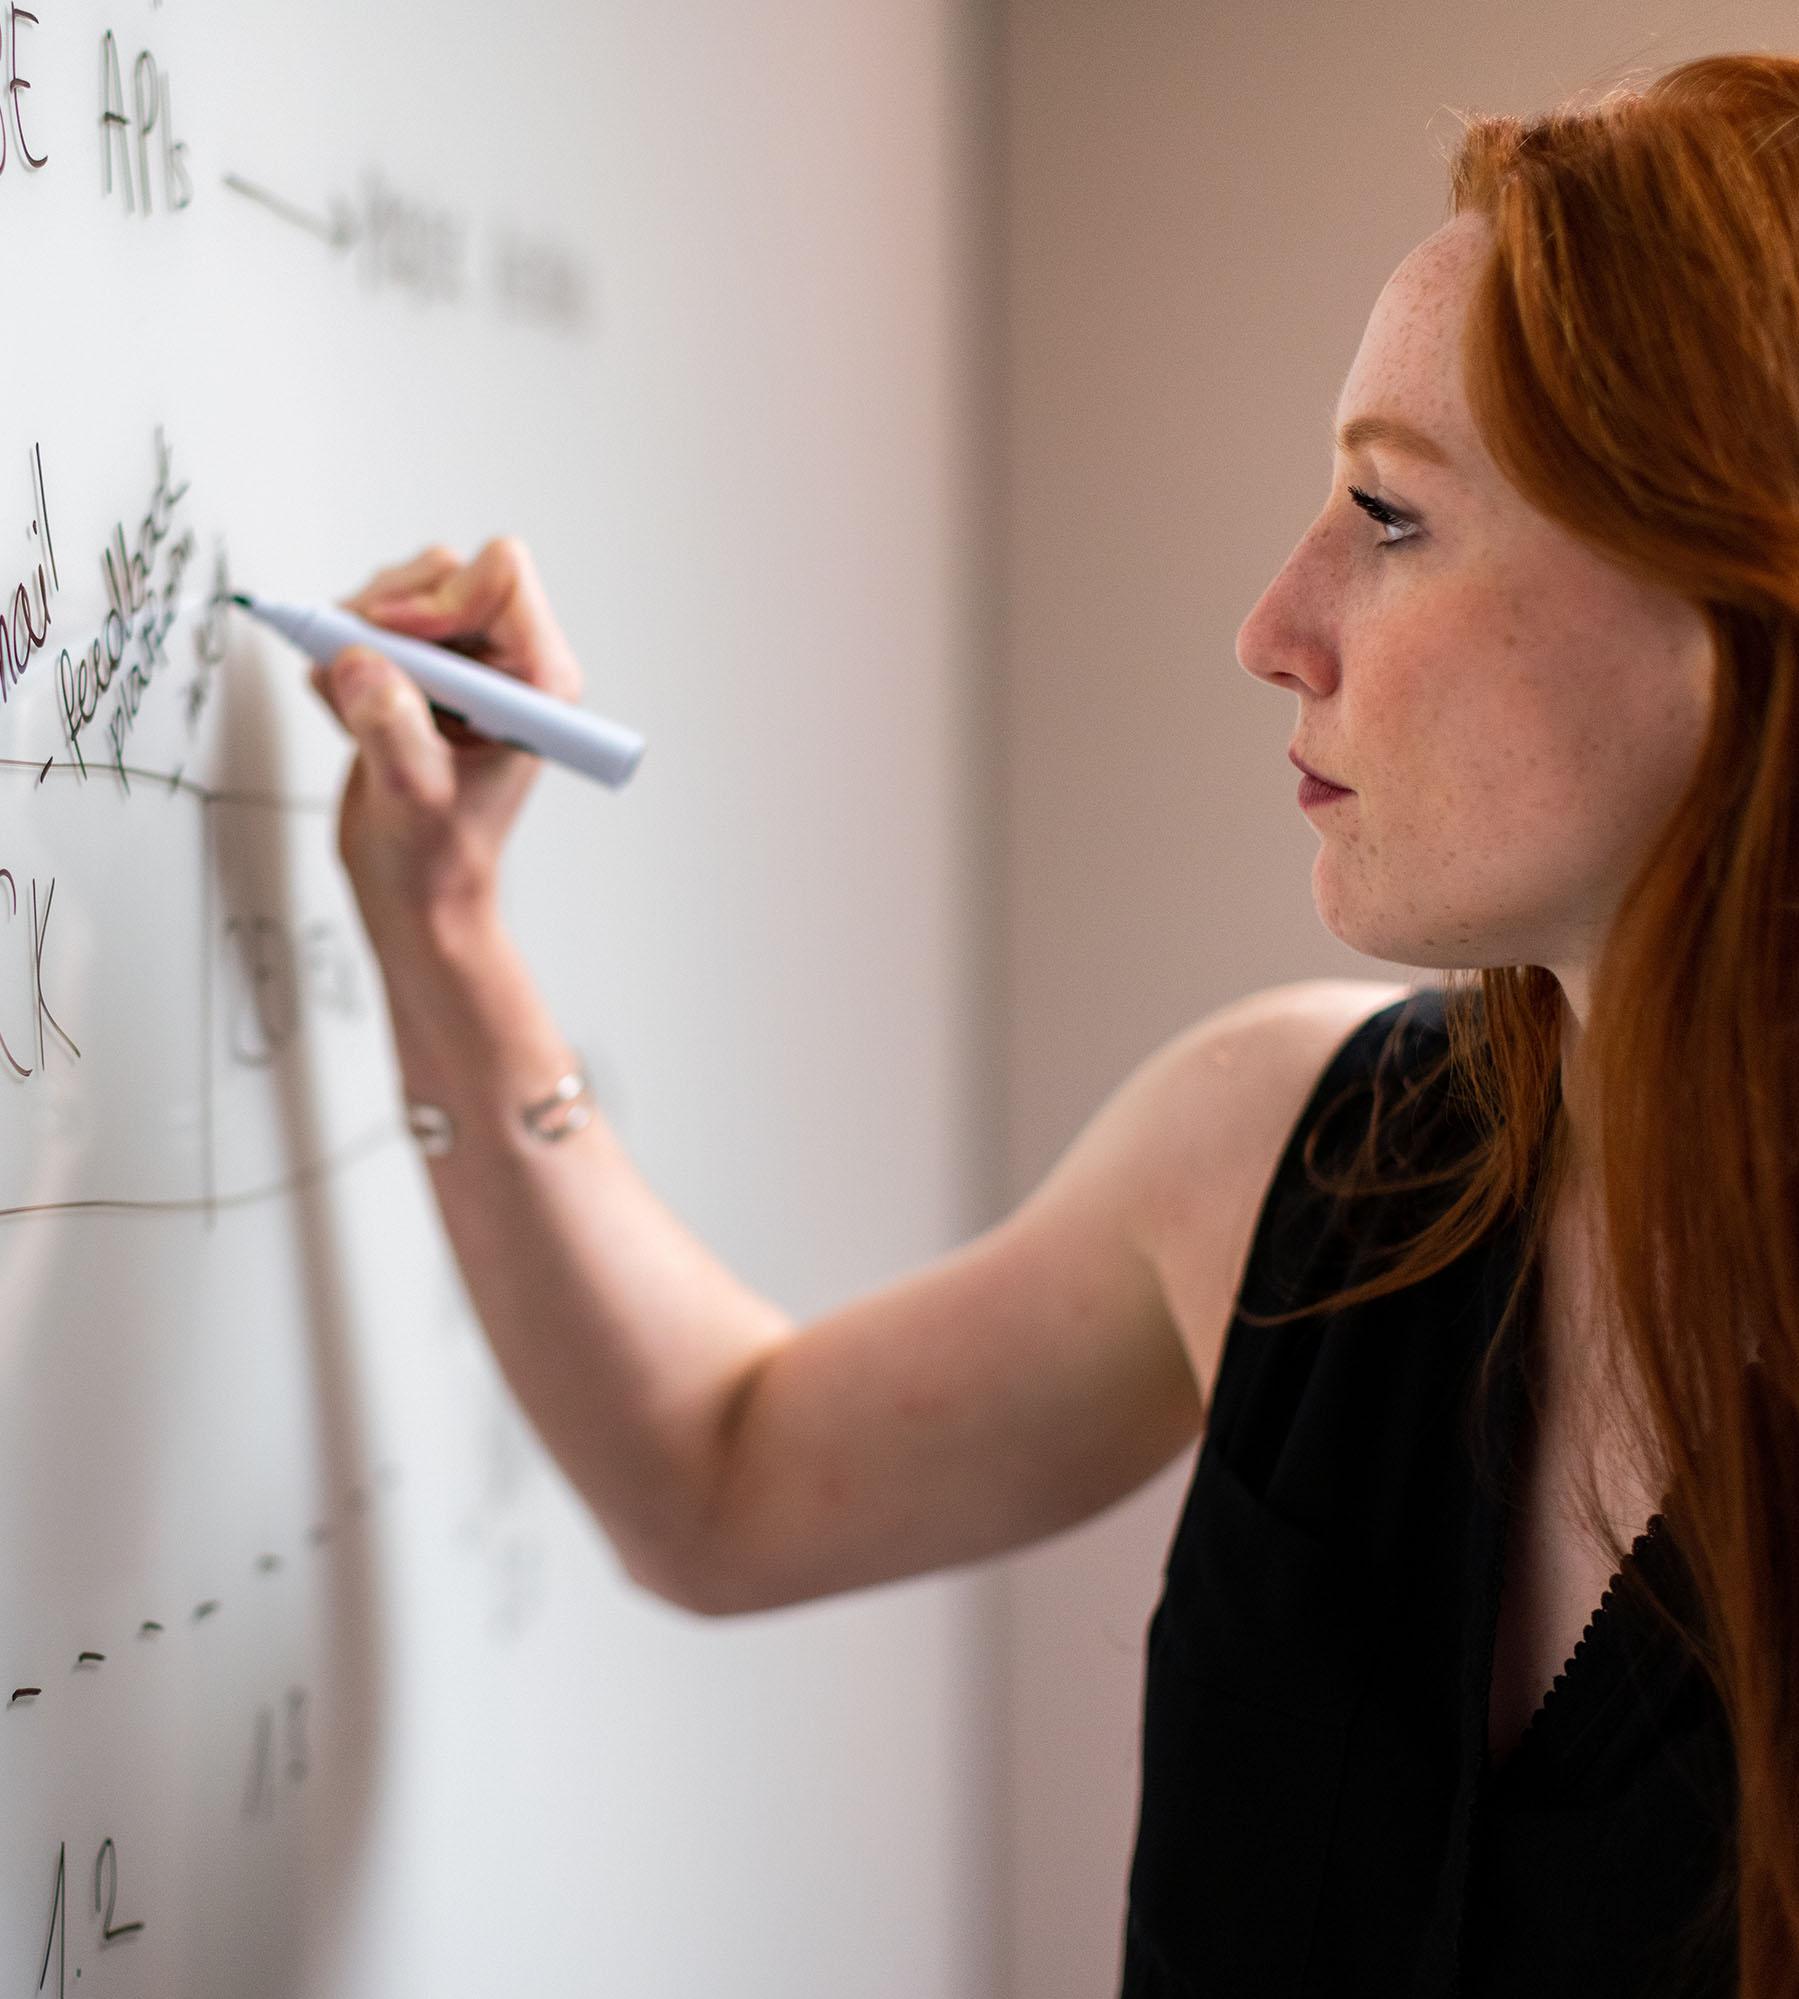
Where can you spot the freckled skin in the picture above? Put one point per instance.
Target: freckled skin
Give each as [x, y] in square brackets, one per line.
[1516, 715]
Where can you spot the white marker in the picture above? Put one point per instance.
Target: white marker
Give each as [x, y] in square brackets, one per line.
[491, 702]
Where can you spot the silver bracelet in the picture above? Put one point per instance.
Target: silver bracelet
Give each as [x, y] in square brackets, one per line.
[550, 1119]
[432, 1126]
[566, 1109]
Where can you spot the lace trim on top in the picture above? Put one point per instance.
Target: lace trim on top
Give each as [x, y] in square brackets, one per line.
[1621, 1661]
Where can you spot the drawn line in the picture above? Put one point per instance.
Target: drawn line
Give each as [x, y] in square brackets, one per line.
[339, 233]
[386, 1133]
[205, 1609]
[149, 1624]
[209, 1181]
[25, 1694]
[207, 795]
[91, 1659]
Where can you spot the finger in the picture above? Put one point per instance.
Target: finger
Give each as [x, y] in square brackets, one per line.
[388, 716]
[321, 687]
[451, 727]
[329, 691]
[424, 572]
[497, 601]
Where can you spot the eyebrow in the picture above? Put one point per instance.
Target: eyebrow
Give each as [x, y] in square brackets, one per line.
[1365, 430]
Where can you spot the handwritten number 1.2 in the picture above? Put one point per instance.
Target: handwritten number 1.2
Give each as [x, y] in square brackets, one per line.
[108, 1928]
[106, 1895]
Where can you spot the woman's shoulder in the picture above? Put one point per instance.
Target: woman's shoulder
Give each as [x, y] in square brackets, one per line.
[1302, 1046]
[1248, 1079]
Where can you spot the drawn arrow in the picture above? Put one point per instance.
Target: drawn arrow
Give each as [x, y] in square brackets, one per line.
[341, 231]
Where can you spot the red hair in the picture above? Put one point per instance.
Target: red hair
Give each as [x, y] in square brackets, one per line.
[1632, 364]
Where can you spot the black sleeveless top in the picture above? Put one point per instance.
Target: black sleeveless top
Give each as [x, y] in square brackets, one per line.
[1318, 1811]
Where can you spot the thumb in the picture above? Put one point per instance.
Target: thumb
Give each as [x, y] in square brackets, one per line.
[390, 719]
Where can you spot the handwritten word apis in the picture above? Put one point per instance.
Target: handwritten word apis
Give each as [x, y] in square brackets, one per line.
[154, 112]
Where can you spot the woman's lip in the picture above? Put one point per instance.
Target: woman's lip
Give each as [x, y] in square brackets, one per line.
[1300, 764]
[1314, 791]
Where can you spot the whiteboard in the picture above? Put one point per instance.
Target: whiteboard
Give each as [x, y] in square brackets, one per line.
[337, 1689]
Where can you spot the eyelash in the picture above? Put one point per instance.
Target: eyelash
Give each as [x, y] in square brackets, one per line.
[1379, 511]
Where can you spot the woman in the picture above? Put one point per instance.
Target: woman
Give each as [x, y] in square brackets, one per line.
[1474, 1669]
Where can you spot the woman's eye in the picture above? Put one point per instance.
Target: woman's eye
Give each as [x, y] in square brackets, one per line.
[1378, 510]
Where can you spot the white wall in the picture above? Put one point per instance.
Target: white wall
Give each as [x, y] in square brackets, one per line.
[251, 1446]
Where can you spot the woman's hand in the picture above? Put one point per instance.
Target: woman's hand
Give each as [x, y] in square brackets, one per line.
[428, 804]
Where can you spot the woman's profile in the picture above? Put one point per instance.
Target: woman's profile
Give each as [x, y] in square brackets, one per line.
[1476, 1665]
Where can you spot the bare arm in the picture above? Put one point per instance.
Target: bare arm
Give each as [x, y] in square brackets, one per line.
[738, 1460]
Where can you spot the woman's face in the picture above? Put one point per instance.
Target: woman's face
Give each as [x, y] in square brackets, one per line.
[1514, 715]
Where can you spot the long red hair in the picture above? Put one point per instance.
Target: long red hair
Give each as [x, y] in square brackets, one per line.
[1632, 364]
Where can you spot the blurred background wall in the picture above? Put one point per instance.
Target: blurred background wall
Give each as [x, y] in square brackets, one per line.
[1196, 206]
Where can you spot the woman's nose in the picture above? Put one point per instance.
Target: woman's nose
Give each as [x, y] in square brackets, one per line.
[1287, 637]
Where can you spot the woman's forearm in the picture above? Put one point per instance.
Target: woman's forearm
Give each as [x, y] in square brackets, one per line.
[629, 1345]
